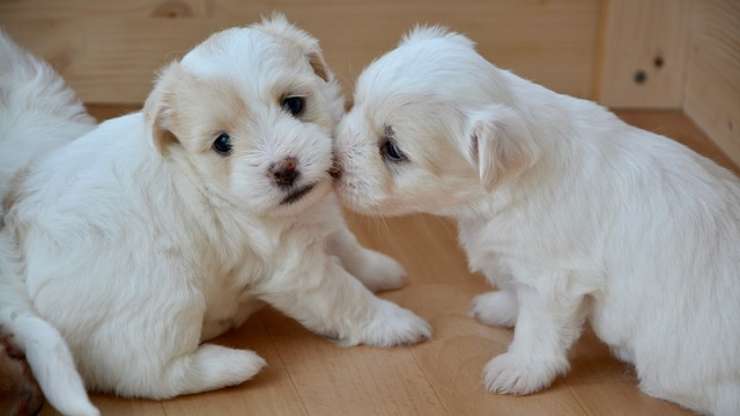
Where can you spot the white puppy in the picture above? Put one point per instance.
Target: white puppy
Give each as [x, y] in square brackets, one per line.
[164, 228]
[570, 212]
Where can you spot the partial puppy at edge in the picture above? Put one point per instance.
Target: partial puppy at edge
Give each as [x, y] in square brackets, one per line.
[572, 214]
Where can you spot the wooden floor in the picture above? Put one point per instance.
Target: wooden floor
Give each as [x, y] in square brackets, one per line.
[308, 374]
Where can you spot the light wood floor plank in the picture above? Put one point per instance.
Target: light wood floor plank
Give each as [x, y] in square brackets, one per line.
[361, 380]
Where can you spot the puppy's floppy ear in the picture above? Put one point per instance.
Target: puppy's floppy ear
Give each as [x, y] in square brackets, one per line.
[159, 109]
[278, 25]
[498, 143]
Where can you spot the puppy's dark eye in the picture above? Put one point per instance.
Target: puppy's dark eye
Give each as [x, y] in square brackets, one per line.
[222, 144]
[391, 152]
[294, 105]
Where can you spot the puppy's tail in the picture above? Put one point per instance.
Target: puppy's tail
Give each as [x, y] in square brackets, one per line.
[46, 351]
[27, 83]
[38, 112]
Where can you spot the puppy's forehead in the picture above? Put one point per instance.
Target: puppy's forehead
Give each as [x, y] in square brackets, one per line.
[439, 70]
[243, 53]
[407, 69]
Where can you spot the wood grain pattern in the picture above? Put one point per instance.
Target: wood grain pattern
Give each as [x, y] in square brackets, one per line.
[713, 77]
[110, 50]
[309, 375]
[649, 36]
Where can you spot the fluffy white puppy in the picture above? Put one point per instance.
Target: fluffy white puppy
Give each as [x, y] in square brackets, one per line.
[570, 212]
[162, 229]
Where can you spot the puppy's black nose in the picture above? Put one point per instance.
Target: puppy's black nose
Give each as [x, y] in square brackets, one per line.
[335, 171]
[285, 172]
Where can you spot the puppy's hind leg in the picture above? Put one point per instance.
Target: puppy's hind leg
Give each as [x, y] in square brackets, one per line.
[726, 400]
[210, 367]
[375, 270]
[171, 361]
[497, 308]
[722, 399]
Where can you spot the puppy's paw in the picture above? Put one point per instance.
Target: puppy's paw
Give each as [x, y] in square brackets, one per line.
[514, 374]
[497, 308]
[381, 272]
[228, 366]
[394, 325]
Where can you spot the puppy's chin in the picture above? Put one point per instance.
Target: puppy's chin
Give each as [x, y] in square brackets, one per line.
[348, 197]
[295, 203]
[352, 200]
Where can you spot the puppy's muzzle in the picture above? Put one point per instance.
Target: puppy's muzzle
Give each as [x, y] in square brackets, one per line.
[285, 172]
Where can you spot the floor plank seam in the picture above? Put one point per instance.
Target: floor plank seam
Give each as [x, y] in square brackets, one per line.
[273, 343]
[578, 400]
[431, 385]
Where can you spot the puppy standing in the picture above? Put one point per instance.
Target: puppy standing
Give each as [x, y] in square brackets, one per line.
[570, 212]
[164, 228]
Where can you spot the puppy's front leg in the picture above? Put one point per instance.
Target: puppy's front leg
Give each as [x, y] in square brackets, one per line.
[321, 295]
[549, 322]
[375, 270]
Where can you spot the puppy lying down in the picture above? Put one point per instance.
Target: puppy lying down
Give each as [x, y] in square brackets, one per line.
[162, 229]
[570, 212]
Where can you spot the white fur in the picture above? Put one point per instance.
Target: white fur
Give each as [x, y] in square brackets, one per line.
[38, 114]
[138, 242]
[570, 212]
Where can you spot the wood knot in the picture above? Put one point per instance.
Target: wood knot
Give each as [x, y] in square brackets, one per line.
[172, 10]
[640, 76]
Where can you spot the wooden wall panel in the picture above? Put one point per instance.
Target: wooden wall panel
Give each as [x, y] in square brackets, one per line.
[109, 50]
[643, 53]
[713, 74]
